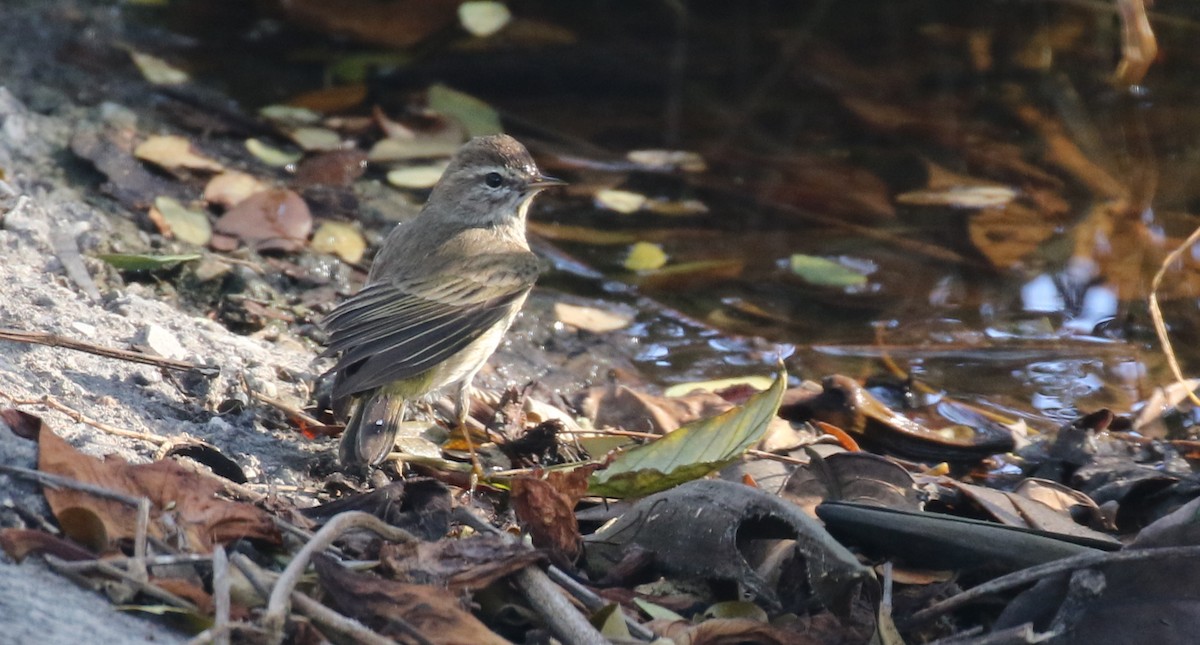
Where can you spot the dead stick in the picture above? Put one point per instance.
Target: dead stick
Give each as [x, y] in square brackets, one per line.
[1035, 573]
[221, 604]
[324, 617]
[58, 481]
[54, 340]
[279, 604]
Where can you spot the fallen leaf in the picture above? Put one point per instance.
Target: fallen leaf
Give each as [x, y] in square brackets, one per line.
[968, 197]
[174, 153]
[337, 168]
[668, 160]
[274, 219]
[476, 116]
[483, 18]
[340, 239]
[271, 155]
[824, 272]
[177, 221]
[621, 201]
[645, 256]
[591, 319]
[157, 70]
[398, 23]
[315, 138]
[691, 451]
[186, 507]
[144, 262]
[549, 516]
[231, 187]
[417, 177]
[467, 564]
[375, 601]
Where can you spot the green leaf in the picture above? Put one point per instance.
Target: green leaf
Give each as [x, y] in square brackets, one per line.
[476, 116]
[142, 262]
[610, 620]
[692, 451]
[656, 612]
[827, 273]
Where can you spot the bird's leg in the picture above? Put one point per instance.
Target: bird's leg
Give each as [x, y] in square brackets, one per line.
[462, 407]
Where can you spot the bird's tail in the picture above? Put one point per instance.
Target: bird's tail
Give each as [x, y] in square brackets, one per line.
[371, 432]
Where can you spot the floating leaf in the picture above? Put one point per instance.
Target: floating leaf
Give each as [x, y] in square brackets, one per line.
[416, 177]
[270, 155]
[692, 451]
[645, 256]
[143, 262]
[483, 18]
[755, 381]
[289, 115]
[476, 116]
[960, 197]
[174, 153]
[597, 321]
[181, 223]
[229, 188]
[340, 239]
[419, 147]
[824, 272]
[667, 160]
[311, 138]
[622, 201]
[157, 70]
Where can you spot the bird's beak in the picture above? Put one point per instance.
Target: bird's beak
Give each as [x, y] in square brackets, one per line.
[545, 181]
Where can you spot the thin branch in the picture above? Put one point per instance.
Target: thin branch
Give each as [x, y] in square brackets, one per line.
[1160, 327]
[79, 417]
[1033, 574]
[58, 481]
[281, 594]
[54, 340]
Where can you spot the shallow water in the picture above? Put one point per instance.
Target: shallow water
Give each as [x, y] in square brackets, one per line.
[821, 124]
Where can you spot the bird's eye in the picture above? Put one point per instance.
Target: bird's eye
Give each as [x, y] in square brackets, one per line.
[493, 180]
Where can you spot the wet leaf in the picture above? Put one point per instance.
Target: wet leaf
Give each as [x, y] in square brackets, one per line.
[439, 144]
[314, 138]
[142, 262]
[668, 160]
[271, 155]
[591, 319]
[549, 517]
[275, 219]
[231, 187]
[338, 168]
[754, 381]
[691, 451]
[476, 116]
[289, 115]
[416, 177]
[374, 601]
[186, 507]
[157, 70]
[689, 275]
[174, 153]
[645, 256]
[483, 18]
[180, 222]
[824, 272]
[621, 201]
[467, 564]
[399, 23]
[960, 197]
[340, 239]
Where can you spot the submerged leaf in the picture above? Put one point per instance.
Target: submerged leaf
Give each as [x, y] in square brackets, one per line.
[182, 223]
[645, 256]
[826, 273]
[692, 451]
[476, 116]
[483, 18]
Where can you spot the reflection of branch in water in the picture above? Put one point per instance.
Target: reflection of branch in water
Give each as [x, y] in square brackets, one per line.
[1138, 45]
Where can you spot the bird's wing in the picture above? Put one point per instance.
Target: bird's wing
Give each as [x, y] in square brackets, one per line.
[397, 329]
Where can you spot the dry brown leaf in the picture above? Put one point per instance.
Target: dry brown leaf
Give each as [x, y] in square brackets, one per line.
[1007, 236]
[399, 23]
[174, 153]
[274, 219]
[377, 602]
[231, 187]
[592, 319]
[185, 505]
[468, 564]
[548, 515]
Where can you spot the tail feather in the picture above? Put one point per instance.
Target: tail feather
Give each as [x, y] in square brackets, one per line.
[371, 431]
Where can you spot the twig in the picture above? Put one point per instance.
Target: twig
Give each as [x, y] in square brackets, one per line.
[79, 417]
[564, 620]
[101, 566]
[54, 340]
[1033, 574]
[1160, 327]
[290, 411]
[66, 248]
[137, 564]
[58, 481]
[325, 618]
[221, 585]
[278, 605]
